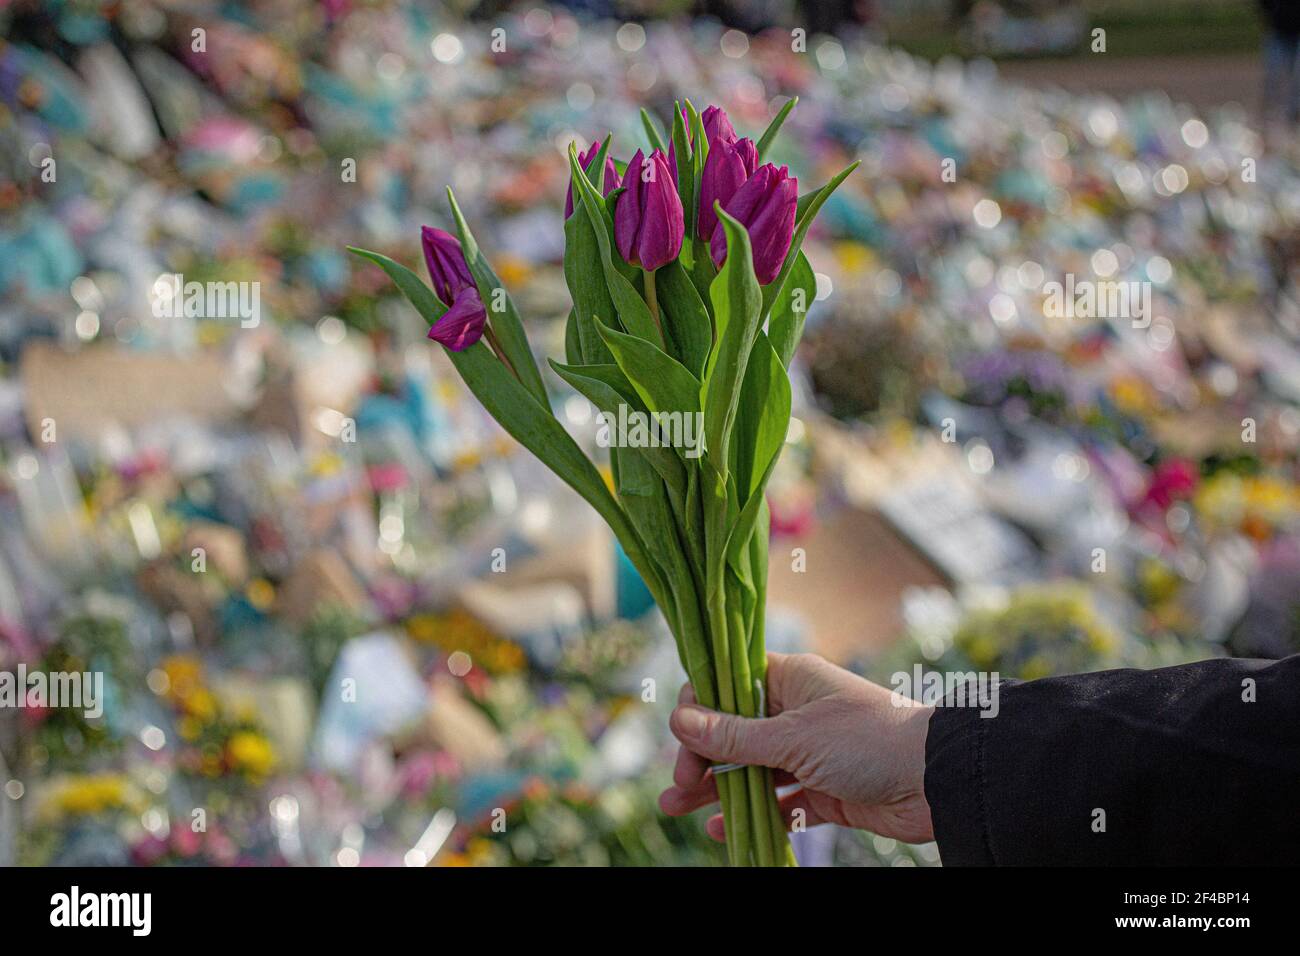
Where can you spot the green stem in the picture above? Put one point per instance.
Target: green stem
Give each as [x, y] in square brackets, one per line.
[652, 300]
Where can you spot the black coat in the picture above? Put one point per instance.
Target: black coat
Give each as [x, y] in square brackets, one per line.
[1196, 764]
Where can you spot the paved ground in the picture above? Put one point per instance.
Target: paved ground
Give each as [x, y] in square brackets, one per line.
[1201, 80]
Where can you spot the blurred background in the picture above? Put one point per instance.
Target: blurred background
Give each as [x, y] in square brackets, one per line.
[344, 620]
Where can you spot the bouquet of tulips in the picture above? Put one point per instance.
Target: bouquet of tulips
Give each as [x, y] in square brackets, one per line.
[689, 296]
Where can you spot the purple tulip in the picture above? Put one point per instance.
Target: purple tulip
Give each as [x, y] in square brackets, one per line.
[716, 126]
[765, 205]
[585, 160]
[730, 163]
[461, 325]
[648, 220]
[446, 262]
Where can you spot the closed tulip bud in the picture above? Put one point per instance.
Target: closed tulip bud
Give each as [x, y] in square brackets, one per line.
[765, 205]
[648, 220]
[730, 163]
[716, 125]
[585, 160]
[461, 325]
[446, 262]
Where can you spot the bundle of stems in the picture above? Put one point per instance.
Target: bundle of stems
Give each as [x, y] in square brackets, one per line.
[686, 338]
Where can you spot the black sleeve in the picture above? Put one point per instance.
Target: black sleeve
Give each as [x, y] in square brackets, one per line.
[1196, 764]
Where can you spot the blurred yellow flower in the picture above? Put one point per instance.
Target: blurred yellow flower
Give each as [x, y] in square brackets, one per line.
[91, 794]
[250, 752]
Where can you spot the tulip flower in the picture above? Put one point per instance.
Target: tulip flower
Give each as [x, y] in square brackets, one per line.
[463, 323]
[446, 262]
[717, 125]
[730, 163]
[765, 205]
[649, 223]
[585, 160]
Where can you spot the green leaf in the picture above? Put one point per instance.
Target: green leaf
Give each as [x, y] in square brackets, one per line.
[762, 417]
[652, 131]
[769, 135]
[663, 383]
[785, 325]
[533, 426]
[685, 170]
[408, 283]
[701, 150]
[511, 405]
[505, 323]
[606, 387]
[587, 286]
[805, 217]
[736, 297]
[686, 322]
[596, 173]
[631, 308]
[572, 344]
[743, 527]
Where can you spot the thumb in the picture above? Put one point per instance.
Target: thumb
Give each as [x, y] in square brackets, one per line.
[759, 741]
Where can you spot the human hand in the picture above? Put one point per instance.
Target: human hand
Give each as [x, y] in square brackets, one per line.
[858, 756]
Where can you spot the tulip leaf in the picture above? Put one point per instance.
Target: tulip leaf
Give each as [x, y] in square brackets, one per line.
[596, 173]
[736, 297]
[606, 387]
[805, 217]
[572, 341]
[670, 392]
[743, 527]
[652, 131]
[506, 324]
[685, 172]
[701, 150]
[587, 286]
[758, 544]
[762, 417]
[769, 135]
[703, 272]
[409, 284]
[541, 433]
[631, 308]
[686, 322]
[790, 309]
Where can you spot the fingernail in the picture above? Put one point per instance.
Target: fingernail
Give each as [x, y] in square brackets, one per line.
[692, 721]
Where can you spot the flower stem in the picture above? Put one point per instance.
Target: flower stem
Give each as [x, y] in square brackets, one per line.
[500, 352]
[652, 300]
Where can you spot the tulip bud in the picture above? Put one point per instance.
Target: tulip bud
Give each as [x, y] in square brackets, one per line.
[585, 160]
[461, 325]
[446, 262]
[765, 205]
[730, 163]
[648, 219]
[716, 125]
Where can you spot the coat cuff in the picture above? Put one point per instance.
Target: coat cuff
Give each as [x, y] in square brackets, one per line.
[954, 786]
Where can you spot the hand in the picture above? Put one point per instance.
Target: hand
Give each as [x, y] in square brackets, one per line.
[858, 755]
